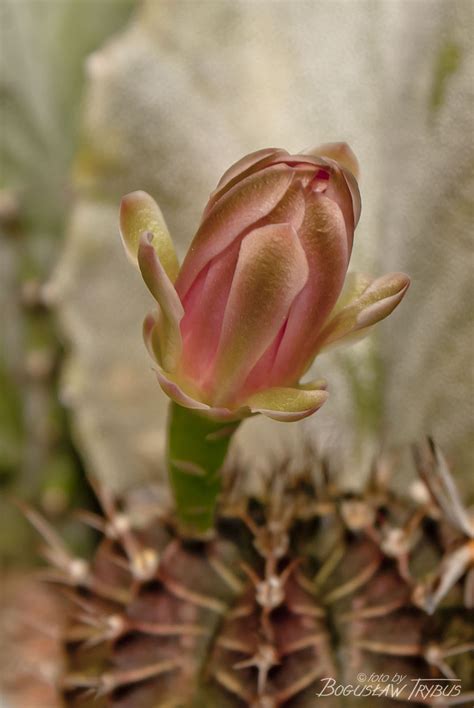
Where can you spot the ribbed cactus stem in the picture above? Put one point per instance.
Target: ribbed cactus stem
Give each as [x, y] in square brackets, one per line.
[197, 448]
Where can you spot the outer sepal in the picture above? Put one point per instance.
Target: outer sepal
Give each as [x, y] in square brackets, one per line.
[171, 309]
[369, 303]
[140, 213]
[288, 404]
[174, 389]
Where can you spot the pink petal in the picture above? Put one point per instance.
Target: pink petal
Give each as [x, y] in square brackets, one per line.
[300, 159]
[324, 239]
[204, 308]
[245, 204]
[241, 169]
[340, 152]
[290, 209]
[344, 190]
[260, 376]
[353, 187]
[271, 271]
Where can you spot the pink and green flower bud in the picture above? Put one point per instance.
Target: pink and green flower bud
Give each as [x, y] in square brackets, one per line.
[261, 289]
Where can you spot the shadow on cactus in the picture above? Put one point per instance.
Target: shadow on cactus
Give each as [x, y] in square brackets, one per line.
[262, 290]
[299, 594]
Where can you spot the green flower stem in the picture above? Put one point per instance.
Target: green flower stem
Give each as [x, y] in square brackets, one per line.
[197, 448]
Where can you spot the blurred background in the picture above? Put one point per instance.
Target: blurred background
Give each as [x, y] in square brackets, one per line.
[101, 97]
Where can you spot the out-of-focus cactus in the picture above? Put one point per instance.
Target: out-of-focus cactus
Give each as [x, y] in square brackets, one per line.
[183, 92]
[44, 45]
[32, 659]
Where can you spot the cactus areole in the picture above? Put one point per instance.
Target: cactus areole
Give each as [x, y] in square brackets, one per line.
[262, 290]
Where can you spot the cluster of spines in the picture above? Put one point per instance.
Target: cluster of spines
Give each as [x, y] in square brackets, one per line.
[170, 617]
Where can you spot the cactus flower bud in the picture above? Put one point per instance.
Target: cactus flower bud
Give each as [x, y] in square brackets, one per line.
[263, 287]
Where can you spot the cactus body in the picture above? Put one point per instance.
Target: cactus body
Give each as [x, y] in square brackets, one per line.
[297, 592]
